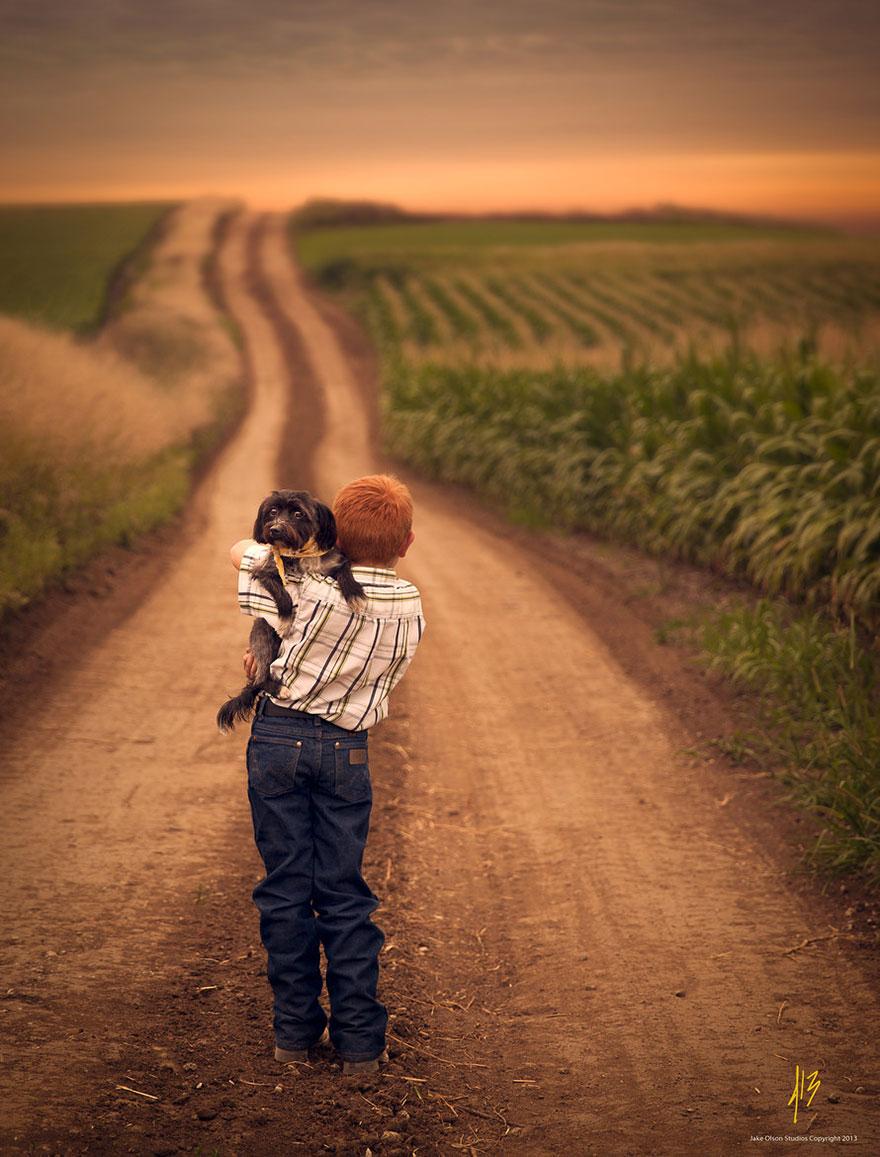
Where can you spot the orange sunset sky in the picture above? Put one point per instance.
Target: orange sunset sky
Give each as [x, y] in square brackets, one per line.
[598, 104]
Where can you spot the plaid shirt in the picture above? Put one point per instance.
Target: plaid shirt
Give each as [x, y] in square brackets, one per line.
[335, 662]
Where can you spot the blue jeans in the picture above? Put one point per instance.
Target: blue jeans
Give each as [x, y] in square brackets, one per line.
[310, 795]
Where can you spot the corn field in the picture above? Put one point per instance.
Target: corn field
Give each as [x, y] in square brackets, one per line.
[767, 470]
[719, 404]
[681, 396]
[536, 309]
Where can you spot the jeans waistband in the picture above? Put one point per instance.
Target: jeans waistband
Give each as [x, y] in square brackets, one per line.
[267, 709]
[265, 706]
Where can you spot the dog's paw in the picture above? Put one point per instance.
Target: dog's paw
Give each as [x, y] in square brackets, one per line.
[285, 627]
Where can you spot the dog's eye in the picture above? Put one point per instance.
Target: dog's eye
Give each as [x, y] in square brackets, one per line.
[297, 514]
[273, 510]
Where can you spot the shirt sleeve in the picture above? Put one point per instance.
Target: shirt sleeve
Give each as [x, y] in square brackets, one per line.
[253, 598]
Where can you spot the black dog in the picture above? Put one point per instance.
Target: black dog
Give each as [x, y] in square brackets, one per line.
[302, 534]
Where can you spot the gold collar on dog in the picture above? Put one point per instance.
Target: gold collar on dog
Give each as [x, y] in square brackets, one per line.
[308, 549]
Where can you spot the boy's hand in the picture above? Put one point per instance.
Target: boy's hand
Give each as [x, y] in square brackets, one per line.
[250, 665]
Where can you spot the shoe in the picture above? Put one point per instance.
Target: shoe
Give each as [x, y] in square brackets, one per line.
[356, 1068]
[288, 1056]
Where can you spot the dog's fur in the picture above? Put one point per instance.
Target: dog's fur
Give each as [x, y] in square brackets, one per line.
[287, 520]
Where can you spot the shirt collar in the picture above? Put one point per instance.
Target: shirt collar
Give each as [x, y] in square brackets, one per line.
[374, 571]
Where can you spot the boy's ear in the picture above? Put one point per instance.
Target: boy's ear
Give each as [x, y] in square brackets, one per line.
[325, 536]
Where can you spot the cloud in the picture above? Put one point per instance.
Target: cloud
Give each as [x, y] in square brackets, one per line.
[404, 33]
[163, 82]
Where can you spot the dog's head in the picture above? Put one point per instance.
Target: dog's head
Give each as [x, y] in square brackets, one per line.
[289, 518]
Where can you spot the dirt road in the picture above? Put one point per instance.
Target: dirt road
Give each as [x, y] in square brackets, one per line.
[587, 950]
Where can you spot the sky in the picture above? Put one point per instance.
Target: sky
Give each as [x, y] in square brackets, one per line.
[744, 105]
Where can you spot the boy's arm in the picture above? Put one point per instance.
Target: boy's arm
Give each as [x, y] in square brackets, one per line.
[236, 552]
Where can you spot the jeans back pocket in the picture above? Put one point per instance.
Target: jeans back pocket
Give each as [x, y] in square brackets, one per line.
[352, 782]
[272, 764]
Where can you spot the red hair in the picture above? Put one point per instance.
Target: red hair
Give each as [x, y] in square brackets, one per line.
[373, 517]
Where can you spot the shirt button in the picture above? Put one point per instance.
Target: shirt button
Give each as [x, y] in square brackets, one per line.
[337, 743]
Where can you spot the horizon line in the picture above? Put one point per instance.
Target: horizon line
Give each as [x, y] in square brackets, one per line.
[855, 220]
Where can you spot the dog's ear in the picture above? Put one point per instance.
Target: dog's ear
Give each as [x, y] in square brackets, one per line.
[258, 535]
[325, 535]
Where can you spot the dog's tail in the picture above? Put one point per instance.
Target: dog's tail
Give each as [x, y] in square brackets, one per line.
[239, 708]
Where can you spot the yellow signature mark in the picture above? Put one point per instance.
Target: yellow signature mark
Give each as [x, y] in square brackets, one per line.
[798, 1094]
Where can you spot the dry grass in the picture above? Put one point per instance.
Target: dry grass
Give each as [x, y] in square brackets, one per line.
[65, 395]
[154, 374]
[98, 438]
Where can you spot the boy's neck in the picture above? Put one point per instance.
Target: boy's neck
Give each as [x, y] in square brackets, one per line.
[375, 565]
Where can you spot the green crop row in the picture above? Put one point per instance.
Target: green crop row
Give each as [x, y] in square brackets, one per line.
[525, 293]
[608, 307]
[769, 470]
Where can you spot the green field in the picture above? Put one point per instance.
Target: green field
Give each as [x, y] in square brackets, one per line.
[714, 428]
[766, 469]
[417, 241]
[56, 260]
[709, 395]
[716, 425]
[539, 293]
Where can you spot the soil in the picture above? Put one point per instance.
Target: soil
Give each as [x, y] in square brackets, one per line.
[598, 939]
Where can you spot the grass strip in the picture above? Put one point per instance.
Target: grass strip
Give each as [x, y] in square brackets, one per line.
[816, 694]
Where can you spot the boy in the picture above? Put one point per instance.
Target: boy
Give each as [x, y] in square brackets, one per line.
[309, 780]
